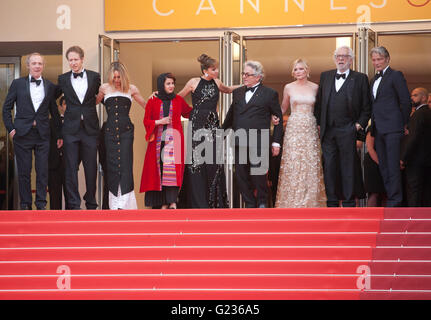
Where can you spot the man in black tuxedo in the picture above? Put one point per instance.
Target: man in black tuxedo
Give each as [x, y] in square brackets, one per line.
[250, 117]
[391, 109]
[34, 97]
[80, 128]
[416, 156]
[56, 176]
[342, 110]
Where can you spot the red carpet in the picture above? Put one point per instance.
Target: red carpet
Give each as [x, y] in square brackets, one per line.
[216, 254]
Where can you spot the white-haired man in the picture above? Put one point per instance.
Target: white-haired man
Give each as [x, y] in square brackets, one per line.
[250, 117]
[342, 109]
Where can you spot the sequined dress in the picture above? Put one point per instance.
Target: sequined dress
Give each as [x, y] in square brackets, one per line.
[301, 183]
[204, 179]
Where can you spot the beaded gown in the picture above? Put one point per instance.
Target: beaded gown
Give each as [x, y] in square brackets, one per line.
[301, 183]
[204, 181]
[119, 135]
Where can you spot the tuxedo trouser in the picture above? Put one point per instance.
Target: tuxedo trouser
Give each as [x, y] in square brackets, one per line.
[23, 147]
[248, 180]
[339, 143]
[57, 187]
[81, 147]
[388, 151]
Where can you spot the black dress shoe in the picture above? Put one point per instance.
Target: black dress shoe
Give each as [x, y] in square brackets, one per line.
[41, 208]
[262, 206]
[25, 207]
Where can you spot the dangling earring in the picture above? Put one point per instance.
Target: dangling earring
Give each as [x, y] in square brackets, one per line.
[206, 75]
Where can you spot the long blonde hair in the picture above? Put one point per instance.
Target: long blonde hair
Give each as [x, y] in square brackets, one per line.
[124, 76]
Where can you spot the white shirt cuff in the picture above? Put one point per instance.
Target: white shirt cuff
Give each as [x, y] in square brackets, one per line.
[275, 144]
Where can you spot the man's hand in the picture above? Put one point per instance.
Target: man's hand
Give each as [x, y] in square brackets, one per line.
[12, 133]
[59, 143]
[402, 165]
[275, 151]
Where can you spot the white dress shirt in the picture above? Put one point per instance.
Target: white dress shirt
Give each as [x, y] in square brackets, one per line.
[249, 94]
[80, 85]
[339, 82]
[377, 83]
[37, 92]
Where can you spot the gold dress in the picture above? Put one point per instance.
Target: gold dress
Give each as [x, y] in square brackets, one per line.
[300, 183]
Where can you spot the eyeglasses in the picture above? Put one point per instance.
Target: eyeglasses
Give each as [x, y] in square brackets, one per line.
[245, 74]
[344, 56]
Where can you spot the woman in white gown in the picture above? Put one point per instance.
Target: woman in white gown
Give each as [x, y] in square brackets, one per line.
[300, 183]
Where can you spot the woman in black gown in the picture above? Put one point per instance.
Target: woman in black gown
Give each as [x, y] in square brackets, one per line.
[117, 95]
[204, 183]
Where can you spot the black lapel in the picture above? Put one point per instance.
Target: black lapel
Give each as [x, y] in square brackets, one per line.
[328, 86]
[27, 90]
[68, 76]
[89, 81]
[386, 74]
[256, 95]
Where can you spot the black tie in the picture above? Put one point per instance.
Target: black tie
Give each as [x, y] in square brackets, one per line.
[340, 75]
[80, 74]
[37, 81]
[251, 89]
[378, 75]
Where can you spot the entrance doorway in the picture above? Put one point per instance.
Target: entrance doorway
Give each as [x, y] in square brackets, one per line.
[147, 59]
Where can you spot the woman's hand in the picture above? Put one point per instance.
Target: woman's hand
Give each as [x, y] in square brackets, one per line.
[153, 95]
[163, 121]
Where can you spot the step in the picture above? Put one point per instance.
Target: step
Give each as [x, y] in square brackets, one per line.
[405, 239]
[184, 267]
[403, 253]
[416, 225]
[401, 282]
[194, 214]
[403, 267]
[188, 281]
[173, 294]
[187, 239]
[187, 253]
[198, 226]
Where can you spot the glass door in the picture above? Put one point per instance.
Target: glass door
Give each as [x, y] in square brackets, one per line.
[233, 56]
[366, 39]
[9, 70]
[109, 51]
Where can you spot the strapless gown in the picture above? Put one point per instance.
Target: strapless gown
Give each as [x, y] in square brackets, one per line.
[301, 183]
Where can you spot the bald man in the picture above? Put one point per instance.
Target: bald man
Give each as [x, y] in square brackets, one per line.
[417, 153]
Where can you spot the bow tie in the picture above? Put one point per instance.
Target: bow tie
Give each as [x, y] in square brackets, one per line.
[251, 89]
[80, 74]
[340, 75]
[37, 81]
[378, 75]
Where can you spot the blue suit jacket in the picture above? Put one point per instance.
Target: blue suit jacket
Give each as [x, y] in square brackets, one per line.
[392, 105]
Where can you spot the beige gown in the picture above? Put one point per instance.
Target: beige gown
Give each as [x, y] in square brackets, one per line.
[300, 183]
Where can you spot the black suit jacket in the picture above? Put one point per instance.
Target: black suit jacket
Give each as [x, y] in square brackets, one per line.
[74, 108]
[256, 114]
[417, 150]
[19, 93]
[392, 106]
[358, 97]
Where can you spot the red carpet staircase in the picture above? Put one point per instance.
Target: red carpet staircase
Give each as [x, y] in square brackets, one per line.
[358, 253]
